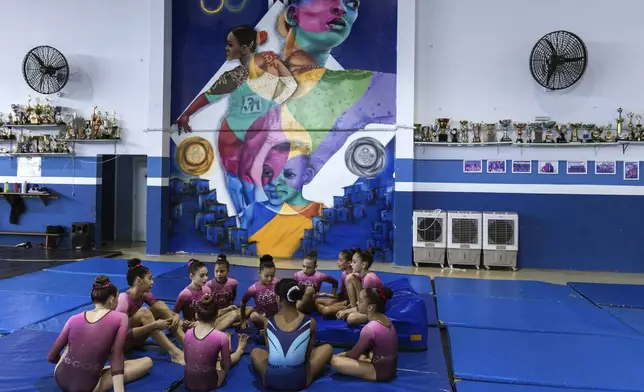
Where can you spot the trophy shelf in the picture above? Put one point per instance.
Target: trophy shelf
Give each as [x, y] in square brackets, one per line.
[39, 154]
[575, 145]
[33, 195]
[448, 144]
[38, 127]
[89, 140]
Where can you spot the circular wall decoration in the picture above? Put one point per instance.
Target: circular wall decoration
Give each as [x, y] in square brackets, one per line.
[365, 157]
[195, 156]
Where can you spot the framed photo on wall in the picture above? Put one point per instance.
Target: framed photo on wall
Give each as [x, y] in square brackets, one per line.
[521, 167]
[605, 167]
[576, 167]
[496, 166]
[631, 170]
[548, 167]
[473, 166]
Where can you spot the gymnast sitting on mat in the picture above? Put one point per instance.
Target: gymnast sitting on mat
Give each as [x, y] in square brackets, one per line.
[263, 292]
[148, 322]
[361, 278]
[190, 296]
[328, 307]
[89, 339]
[375, 356]
[310, 282]
[224, 291]
[292, 361]
[207, 350]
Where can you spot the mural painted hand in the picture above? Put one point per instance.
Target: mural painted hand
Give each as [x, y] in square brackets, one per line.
[183, 122]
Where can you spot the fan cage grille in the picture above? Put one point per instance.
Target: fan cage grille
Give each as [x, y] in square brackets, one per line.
[429, 229]
[465, 231]
[559, 45]
[501, 232]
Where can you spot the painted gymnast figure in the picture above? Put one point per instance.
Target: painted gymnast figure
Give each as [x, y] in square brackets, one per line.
[208, 350]
[224, 291]
[148, 322]
[190, 296]
[361, 278]
[90, 339]
[292, 361]
[310, 281]
[329, 307]
[375, 356]
[263, 292]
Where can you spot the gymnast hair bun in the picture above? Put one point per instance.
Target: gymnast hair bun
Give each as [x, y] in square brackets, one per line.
[221, 256]
[207, 302]
[134, 263]
[294, 294]
[262, 36]
[386, 291]
[101, 281]
[312, 254]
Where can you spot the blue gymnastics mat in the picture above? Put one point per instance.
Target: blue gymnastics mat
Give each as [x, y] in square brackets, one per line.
[578, 317]
[19, 310]
[112, 267]
[634, 318]
[546, 359]
[519, 289]
[23, 355]
[471, 386]
[615, 295]
[47, 282]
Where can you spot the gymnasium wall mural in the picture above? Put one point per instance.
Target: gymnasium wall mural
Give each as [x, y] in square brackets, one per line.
[286, 115]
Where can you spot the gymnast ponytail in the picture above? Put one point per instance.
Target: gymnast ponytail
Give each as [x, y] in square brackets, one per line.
[194, 266]
[378, 297]
[207, 309]
[289, 291]
[249, 37]
[135, 269]
[347, 254]
[102, 290]
[312, 255]
[365, 256]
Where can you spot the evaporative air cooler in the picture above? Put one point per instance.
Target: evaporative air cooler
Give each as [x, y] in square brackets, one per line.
[464, 238]
[430, 240]
[500, 239]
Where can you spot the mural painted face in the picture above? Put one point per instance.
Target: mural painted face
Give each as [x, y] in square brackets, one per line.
[233, 49]
[283, 178]
[200, 278]
[267, 275]
[308, 267]
[321, 25]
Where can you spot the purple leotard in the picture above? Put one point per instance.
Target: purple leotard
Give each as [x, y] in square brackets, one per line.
[372, 281]
[314, 280]
[201, 356]
[188, 300]
[223, 293]
[129, 306]
[89, 347]
[264, 296]
[383, 342]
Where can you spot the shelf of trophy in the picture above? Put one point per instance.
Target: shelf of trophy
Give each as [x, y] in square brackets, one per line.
[626, 143]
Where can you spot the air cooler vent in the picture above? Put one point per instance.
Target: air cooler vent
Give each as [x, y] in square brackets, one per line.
[465, 231]
[429, 229]
[500, 232]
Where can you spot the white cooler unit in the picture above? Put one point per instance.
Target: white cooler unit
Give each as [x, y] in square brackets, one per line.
[464, 238]
[430, 237]
[500, 239]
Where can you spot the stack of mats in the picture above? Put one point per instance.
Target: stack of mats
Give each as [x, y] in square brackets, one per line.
[527, 336]
[34, 308]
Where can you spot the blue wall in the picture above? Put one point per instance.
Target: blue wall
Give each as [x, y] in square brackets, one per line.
[571, 222]
[76, 203]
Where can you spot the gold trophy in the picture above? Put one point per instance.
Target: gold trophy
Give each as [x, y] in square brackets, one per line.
[638, 128]
[505, 124]
[476, 131]
[535, 134]
[425, 134]
[549, 126]
[491, 132]
[609, 137]
[595, 133]
[561, 130]
[443, 124]
[465, 137]
[620, 123]
[520, 128]
[418, 137]
[631, 127]
[574, 132]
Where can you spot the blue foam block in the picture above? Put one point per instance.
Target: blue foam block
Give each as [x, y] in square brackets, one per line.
[634, 318]
[243, 378]
[472, 386]
[108, 266]
[430, 309]
[56, 323]
[18, 310]
[523, 289]
[556, 360]
[23, 355]
[617, 295]
[580, 317]
[47, 282]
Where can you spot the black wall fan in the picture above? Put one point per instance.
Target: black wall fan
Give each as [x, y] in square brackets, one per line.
[45, 70]
[558, 60]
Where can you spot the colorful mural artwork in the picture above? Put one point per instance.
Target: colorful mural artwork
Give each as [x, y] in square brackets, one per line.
[288, 147]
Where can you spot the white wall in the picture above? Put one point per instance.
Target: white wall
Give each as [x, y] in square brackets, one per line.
[108, 47]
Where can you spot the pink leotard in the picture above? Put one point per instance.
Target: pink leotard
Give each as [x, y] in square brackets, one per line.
[89, 347]
[314, 280]
[383, 342]
[223, 293]
[188, 300]
[201, 356]
[342, 294]
[129, 306]
[264, 296]
[372, 281]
